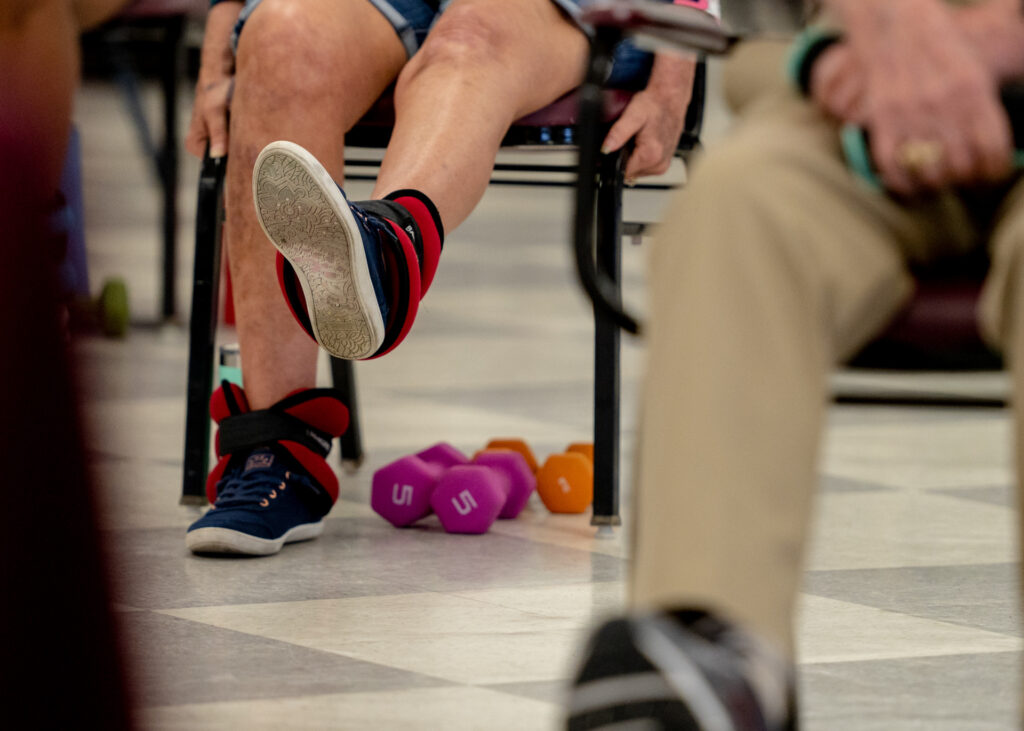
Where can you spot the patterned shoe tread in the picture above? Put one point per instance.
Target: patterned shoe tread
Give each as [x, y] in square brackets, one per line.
[324, 249]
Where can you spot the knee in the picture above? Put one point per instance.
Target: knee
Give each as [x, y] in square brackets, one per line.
[737, 212]
[464, 38]
[282, 53]
[737, 177]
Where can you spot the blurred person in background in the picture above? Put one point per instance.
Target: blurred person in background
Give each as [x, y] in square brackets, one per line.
[774, 264]
[58, 636]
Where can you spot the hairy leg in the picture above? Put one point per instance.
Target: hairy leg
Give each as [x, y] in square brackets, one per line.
[306, 72]
[484, 64]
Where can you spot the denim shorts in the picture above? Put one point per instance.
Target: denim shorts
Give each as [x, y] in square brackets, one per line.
[412, 20]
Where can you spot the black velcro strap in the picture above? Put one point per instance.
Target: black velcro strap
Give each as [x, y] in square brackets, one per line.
[246, 432]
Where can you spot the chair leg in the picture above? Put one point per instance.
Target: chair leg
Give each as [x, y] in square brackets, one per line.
[606, 345]
[203, 330]
[168, 158]
[351, 442]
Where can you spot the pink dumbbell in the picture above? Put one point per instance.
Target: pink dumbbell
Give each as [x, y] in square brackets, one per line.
[401, 490]
[469, 498]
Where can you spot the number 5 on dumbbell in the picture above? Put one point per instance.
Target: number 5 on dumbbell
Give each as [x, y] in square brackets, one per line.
[401, 490]
[467, 498]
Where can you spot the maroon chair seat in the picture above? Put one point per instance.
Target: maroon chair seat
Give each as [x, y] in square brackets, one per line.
[374, 129]
[938, 328]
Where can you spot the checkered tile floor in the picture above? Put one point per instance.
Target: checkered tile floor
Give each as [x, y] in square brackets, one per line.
[909, 618]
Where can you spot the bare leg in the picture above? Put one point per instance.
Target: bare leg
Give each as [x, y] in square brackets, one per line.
[306, 72]
[485, 64]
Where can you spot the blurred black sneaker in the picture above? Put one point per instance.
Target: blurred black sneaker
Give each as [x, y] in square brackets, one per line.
[684, 670]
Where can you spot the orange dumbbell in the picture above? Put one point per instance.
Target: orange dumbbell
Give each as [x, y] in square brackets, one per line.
[516, 445]
[566, 481]
[584, 448]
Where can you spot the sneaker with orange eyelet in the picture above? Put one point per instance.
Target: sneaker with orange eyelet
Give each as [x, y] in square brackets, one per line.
[267, 500]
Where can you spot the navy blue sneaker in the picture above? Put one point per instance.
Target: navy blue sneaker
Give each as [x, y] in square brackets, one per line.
[334, 248]
[687, 671]
[263, 502]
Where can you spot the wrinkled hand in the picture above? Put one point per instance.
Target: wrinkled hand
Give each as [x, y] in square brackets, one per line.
[654, 117]
[931, 107]
[209, 121]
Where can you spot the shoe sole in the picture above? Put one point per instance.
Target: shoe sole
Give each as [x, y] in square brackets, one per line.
[225, 540]
[308, 220]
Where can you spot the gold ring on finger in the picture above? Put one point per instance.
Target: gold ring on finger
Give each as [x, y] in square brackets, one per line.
[916, 155]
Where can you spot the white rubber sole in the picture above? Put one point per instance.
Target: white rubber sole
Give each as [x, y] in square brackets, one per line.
[225, 540]
[304, 215]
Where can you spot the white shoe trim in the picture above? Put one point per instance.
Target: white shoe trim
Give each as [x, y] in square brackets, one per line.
[225, 540]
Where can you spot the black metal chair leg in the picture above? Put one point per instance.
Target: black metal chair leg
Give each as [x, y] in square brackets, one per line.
[203, 330]
[351, 442]
[174, 48]
[607, 345]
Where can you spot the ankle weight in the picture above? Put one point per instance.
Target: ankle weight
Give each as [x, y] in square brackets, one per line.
[303, 423]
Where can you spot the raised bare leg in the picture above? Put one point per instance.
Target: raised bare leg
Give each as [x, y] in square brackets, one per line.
[306, 71]
[484, 64]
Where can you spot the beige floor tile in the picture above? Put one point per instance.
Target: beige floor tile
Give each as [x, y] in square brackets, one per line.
[445, 636]
[887, 529]
[580, 602]
[921, 455]
[836, 631]
[453, 709]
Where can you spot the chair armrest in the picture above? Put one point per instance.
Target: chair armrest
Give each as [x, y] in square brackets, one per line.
[661, 23]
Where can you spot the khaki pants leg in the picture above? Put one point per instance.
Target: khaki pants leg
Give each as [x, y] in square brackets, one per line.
[1002, 320]
[773, 262]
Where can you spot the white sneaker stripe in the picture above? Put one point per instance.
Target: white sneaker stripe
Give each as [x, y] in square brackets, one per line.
[683, 675]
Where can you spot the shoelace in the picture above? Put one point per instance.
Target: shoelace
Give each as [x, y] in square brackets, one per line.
[373, 223]
[257, 488]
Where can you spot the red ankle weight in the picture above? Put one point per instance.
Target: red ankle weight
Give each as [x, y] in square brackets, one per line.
[303, 423]
[428, 220]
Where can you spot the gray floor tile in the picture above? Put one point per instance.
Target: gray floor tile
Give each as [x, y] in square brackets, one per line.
[154, 570]
[946, 693]
[427, 558]
[549, 691]
[1003, 495]
[834, 483]
[174, 661]
[981, 596]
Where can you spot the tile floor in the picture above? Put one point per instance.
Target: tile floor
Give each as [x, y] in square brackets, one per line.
[909, 618]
